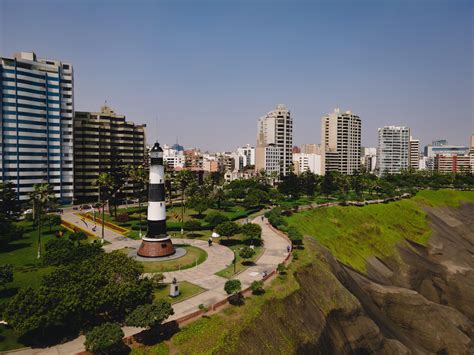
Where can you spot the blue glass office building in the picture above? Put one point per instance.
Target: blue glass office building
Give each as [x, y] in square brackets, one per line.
[36, 123]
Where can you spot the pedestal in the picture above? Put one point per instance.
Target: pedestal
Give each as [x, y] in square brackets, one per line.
[156, 247]
[174, 290]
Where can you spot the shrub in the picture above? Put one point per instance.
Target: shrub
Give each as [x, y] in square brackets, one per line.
[228, 229]
[6, 274]
[246, 253]
[281, 268]
[257, 287]
[252, 230]
[149, 315]
[215, 218]
[192, 225]
[122, 217]
[295, 236]
[232, 287]
[104, 338]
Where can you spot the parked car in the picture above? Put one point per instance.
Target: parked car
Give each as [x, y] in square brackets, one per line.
[28, 211]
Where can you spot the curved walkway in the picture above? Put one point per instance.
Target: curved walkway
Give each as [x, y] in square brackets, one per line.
[219, 257]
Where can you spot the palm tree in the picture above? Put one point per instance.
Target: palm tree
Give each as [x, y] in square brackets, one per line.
[105, 182]
[41, 197]
[138, 177]
[184, 178]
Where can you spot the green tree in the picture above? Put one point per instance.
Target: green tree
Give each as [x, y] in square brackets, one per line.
[9, 231]
[192, 225]
[233, 286]
[106, 189]
[138, 177]
[41, 197]
[252, 231]
[218, 195]
[257, 287]
[199, 203]
[63, 251]
[9, 205]
[77, 237]
[6, 274]
[104, 338]
[246, 253]
[103, 287]
[328, 184]
[214, 218]
[228, 229]
[53, 220]
[184, 178]
[309, 182]
[149, 315]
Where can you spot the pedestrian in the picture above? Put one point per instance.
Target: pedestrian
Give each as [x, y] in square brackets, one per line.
[288, 248]
[94, 227]
[209, 241]
[263, 218]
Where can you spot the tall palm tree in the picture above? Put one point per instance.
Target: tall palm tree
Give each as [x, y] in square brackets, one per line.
[105, 183]
[41, 197]
[184, 178]
[138, 177]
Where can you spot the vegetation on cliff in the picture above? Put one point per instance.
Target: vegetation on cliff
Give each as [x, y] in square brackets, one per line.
[353, 234]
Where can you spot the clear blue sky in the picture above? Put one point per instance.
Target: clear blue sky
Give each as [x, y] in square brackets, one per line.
[209, 69]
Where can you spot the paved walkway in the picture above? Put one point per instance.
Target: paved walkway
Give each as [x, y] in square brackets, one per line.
[219, 257]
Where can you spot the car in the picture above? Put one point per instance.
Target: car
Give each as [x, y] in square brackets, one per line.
[28, 211]
[87, 207]
[53, 209]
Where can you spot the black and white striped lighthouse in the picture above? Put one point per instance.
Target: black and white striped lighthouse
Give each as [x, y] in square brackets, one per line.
[156, 243]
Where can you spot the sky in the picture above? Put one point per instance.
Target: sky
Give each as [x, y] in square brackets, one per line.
[203, 72]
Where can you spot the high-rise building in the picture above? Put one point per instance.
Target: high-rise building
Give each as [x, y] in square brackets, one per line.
[102, 141]
[310, 149]
[441, 147]
[448, 163]
[471, 154]
[368, 158]
[414, 154]
[248, 154]
[307, 162]
[36, 112]
[393, 149]
[340, 142]
[275, 129]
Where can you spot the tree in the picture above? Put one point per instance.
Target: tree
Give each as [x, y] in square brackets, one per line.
[246, 253]
[138, 177]
[255, 197]
[9, 205]
[199, 203]
[218, 195]
[9, 231]
[104, 182]
[63, 251]
[214, 218]
[53, 220]
[78, 236]
[228, 229]
[184, 178]
[192, 225]
[257, 287]
[328, 184]
[6, 274]
[149, 315]
[104, 338]
[252, 231]
[290, 185]
[103, 287]
[232, 287]
[309, 182]
[41, 197]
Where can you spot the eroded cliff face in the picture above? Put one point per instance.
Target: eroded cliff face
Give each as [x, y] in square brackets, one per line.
[422, 302]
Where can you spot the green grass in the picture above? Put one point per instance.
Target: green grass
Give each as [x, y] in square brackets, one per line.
[9, 339]
[158, 349]
[185, 262]
[238, 242]
[187, 289]
[353, 234]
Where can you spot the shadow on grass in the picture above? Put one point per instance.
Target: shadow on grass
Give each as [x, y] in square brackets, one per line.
[14, 246]
[9, 292]
[48, 337]
[158, 334]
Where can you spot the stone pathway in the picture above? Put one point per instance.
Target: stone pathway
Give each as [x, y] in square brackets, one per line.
[219, 257]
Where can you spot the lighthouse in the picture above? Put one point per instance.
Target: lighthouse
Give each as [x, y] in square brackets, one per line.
[156, 243]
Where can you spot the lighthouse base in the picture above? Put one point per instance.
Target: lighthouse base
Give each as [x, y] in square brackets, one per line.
[156, 247]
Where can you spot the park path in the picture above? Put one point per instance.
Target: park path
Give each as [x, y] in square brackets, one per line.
[219, 257]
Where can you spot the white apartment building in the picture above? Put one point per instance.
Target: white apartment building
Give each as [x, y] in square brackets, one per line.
[414, 154]
[393, 149]
[36, 113]
[307, 162]
[275, 129]
[340, 142]
[248, 152]
[173, 158]
[368, 158]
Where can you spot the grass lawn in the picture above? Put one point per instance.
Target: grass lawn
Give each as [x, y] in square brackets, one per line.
[235, 243]
[187, 289]
[185, 262]
[353, 234]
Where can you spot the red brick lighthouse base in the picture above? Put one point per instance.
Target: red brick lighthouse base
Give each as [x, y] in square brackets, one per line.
[156, 247]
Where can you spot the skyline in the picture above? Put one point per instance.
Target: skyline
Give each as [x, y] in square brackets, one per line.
[183, 67]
